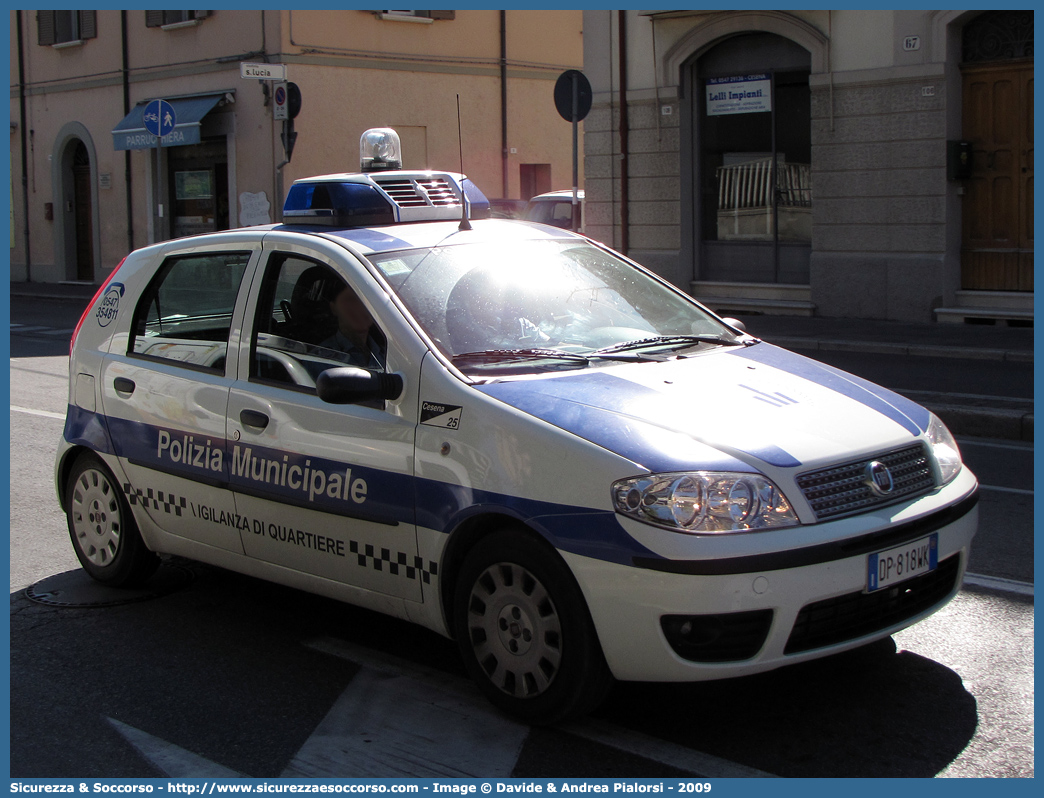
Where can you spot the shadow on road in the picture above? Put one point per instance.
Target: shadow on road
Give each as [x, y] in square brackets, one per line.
[217, 667]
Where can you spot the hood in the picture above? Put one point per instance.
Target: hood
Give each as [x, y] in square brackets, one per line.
[722, 410]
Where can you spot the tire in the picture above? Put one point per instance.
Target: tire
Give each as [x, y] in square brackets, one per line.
[525, 633]
[103, 532]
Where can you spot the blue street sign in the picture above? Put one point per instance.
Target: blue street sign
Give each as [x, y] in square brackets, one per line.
[159, 118]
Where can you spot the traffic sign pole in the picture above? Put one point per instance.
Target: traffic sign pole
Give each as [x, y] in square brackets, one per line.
[160, 119]
[576, 157]
[573, 102]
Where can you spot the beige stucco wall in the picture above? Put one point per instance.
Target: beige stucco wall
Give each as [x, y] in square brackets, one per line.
[355, 72]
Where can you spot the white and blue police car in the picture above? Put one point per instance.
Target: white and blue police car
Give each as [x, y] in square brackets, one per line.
[505, 432]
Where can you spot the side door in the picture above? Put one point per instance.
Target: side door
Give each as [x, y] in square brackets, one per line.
[327, 490]
[165, 391]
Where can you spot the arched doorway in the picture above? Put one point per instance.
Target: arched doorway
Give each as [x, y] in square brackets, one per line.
[82, 213]
[74, 179]
[752, 153]
[997, 207]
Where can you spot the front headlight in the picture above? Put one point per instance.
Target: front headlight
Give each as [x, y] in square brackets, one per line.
[944, 447]
[704, 501]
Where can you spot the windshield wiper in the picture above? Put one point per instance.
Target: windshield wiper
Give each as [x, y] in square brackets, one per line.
[507, 355]
[674, 340]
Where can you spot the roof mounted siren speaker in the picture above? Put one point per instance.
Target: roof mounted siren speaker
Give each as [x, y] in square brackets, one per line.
[380, 150]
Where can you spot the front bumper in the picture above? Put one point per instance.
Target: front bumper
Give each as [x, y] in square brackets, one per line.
[698, 619]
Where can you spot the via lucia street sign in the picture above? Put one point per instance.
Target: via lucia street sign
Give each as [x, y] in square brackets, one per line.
[262, 71]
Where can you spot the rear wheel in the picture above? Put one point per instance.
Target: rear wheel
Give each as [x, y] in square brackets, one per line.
[525, 632]
[104, 535]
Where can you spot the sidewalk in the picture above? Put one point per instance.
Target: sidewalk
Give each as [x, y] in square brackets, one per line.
[991, 418]
[969, 341]
[1010, 419]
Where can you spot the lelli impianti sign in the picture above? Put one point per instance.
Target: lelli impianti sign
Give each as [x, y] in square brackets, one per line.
[741, 94]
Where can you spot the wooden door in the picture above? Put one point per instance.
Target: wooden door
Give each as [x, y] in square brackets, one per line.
[997, 226]
[83, 214]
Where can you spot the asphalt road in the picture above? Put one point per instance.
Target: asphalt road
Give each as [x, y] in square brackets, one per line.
[209, 673]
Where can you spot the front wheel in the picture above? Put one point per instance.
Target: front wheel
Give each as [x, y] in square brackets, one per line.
[525, 633]
[104, 535]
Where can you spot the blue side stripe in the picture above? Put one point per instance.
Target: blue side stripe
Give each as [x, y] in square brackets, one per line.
[437, 505]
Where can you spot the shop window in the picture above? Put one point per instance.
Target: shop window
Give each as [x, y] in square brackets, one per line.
[415, 16]
[65, 27]
[163, 19]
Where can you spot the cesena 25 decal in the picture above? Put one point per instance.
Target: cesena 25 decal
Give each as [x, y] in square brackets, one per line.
[439, 415]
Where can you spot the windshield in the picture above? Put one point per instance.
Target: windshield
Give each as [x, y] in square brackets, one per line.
[551, 304]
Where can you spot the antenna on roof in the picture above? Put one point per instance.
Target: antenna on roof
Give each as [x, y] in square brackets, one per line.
[465, 223]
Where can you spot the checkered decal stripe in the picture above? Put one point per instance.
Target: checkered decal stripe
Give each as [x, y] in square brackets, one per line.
[397, 565]
[157, 500]
[366, 554]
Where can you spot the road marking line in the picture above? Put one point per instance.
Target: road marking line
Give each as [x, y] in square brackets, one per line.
[1001, 489]
[44, 413]
[426, 687]
[1000, 583]
[388, 724]
[677, 756]
[170, 759]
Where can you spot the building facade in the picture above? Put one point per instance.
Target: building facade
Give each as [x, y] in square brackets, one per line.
[89, 182]
[865, 164]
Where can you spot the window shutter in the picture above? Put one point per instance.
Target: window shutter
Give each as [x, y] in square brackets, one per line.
[200, 14]
[153, 19]
[441, 14]
[45, 27]
[88, 24]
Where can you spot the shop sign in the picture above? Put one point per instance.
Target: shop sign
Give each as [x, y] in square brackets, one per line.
[741, 94]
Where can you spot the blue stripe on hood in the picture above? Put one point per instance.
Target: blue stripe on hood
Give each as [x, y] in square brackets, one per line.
[594, 406]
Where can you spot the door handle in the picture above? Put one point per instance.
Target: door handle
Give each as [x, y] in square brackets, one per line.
[123, 385]
[252, 418]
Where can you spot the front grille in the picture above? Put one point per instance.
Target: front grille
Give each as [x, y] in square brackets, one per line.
[836, 620]
[845, 489]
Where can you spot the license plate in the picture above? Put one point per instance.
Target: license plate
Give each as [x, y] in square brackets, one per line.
[886, 568]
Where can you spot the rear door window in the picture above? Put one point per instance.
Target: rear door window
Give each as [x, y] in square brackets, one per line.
[185, 314]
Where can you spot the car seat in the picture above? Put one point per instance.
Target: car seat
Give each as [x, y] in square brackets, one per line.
[310, 318]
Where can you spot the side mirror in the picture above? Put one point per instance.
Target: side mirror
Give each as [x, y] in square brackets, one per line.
[736, 324]
[350, 385]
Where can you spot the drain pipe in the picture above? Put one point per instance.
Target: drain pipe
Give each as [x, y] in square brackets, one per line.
[503, 104]
[127, 153]
[25, 146]
[624, 193]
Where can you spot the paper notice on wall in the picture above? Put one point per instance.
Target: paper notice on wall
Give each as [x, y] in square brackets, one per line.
[254, 209]
[742, 94]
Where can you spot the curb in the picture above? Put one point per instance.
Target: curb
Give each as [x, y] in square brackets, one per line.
[916, 350]
[1013, 423]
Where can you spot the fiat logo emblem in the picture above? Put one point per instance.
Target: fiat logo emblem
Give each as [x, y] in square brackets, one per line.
[879, 478]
